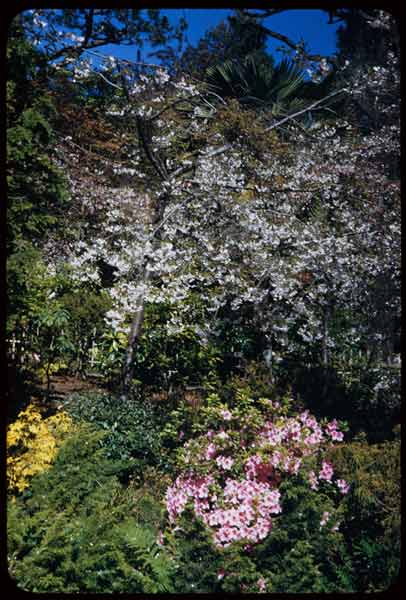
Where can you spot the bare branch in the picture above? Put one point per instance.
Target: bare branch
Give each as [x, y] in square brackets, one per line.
[304, 110]
[108, 81]
[269, 12]
[123, 60]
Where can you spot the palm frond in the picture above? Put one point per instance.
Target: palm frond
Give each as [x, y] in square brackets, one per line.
[259, 84]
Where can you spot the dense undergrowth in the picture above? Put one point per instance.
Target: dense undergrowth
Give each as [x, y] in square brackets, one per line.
[95, 517]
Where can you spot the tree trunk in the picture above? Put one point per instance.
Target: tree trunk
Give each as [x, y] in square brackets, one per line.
[325, 350]
[145, 131]
[135, 332]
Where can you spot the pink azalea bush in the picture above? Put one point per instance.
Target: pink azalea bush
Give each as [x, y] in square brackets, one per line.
[230, 473]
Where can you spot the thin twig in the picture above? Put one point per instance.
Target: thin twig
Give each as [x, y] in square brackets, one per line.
[108, 81]
[304, 110]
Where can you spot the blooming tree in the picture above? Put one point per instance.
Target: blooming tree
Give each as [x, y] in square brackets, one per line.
[201, 196]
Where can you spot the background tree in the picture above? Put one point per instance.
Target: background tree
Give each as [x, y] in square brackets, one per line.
[42, 103]
[234, 39]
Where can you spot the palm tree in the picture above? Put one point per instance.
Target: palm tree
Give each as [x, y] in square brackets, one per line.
[257, 83]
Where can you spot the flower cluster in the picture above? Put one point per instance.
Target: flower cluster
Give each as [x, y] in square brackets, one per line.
[236, 497]
[242, 513]
[32, 444]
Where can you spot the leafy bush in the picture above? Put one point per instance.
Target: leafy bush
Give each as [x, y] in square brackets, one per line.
[372, 510]
[306, 551]
[198, 561]
[204, 568]
[239, 390]
[32, 444]
[73, 531]
[254, 382]
[131, 426]
[358, 399]
[167, 357]
[315, 543]
[243, 468]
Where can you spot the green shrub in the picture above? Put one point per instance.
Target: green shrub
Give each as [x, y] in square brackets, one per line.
[352, 395]
[198, 562]
[356, 549]
[234, 438]
[74, 529]
[371, 524]
[93, 554]
[131, 426]
[300, 555]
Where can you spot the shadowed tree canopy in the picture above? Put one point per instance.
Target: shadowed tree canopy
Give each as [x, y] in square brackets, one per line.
[67, 33]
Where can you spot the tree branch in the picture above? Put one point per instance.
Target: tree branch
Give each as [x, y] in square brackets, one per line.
[304, 110]
[108, 81]
[269, 12]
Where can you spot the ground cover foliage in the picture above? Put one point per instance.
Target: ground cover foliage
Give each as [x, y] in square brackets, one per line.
[217, 241]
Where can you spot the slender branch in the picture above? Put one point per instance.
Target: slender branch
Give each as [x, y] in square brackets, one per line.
[168, 106]
[266, 12]
[216, 151]
[304, 110]
[108, 81]
[144, 134]
[288, 42]
[124, 60]
[165, 219]
[209, 104]
[69, 50]
[217, 96]
[226, 147]
[269, 12]
[255, 189]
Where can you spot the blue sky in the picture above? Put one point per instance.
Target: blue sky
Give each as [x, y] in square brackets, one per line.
[309, 25]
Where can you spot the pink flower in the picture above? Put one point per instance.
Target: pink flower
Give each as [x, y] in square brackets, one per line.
[324, 518]
[303, 416]
[276, 458]
[314, 438]
[337, 436]
[261, 583]
[221, 574]
[225, 462]
[211, 451]
[295, 465]
[327, 471]
[242, 509]
[313, 480]
[160, 539]
[343, 486]
[331, 429]
[227, 416]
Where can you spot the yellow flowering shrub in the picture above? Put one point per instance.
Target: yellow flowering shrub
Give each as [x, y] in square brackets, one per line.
[32, 444]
